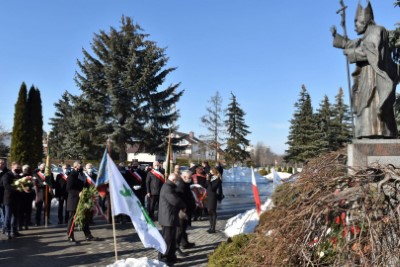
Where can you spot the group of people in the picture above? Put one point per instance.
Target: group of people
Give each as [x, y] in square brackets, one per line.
[19, 188]
[178, 203]
[170, 200]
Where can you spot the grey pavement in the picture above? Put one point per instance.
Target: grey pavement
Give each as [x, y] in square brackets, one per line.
[48, 247]
[40, 246]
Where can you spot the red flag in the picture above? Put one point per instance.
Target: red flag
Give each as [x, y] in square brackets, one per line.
[255, 192]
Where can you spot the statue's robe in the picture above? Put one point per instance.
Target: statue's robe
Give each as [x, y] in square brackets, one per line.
[375, 78]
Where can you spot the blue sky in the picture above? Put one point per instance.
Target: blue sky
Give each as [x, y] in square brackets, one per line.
[262, 51]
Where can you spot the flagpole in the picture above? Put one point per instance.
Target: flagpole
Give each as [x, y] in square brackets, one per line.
[46, 187]
[109, 199]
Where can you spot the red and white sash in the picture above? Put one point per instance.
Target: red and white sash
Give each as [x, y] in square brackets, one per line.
[41, 175]
[158, 175]
[89, 179]
[64, 176]
[136, 176]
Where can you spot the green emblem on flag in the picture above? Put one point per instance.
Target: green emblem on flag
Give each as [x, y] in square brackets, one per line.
[127, 192]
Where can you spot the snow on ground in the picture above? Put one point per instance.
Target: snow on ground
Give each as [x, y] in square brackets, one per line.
[245, 222]
[140, 262]
[282, 175]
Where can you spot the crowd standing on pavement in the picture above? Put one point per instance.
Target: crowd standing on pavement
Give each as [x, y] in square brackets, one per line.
[174, 200]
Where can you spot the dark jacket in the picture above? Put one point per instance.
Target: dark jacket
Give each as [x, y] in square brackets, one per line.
[212, 197]
[153, 184]
[60, 185]
[10, 193]
[76, 181]
[170, 204]
[185, 193]
[133, 181]
[2, 173]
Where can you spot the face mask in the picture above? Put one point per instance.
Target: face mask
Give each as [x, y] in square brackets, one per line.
[90, 171]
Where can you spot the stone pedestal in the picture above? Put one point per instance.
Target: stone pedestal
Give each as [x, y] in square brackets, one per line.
[365, 152]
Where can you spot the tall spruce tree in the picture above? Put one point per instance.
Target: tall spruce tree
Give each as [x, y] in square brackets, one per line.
[324, 123]
[35, 125]
[214, 124]
[304, 137]
[121, 98]
[20, 150]
[237, 143]
[65, 141]
[341, 127]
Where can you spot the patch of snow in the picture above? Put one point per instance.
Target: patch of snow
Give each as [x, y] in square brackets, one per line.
[245, 222]
[140, 262]
[282, 175]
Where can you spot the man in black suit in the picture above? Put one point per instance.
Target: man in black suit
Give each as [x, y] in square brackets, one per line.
[185, 193]
[154, 181]
[76, 181]
[61, 193]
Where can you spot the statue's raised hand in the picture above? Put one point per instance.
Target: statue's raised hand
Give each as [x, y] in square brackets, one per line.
[333, 31]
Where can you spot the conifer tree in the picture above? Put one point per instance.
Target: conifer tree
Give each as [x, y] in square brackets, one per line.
[324, 123]
[121, 95]
[35, 125]
[237, 131]
[305, 138]
[341, 128]
[64, 140]
[213, 123]
[20, 141]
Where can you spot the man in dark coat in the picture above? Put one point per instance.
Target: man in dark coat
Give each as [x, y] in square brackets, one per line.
[184, 192]
[10, 201]
[76, 181]
[61, 193]
[154, 181]
[170, 204]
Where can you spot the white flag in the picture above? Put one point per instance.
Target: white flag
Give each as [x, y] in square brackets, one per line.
[124, 201]
[277, 179]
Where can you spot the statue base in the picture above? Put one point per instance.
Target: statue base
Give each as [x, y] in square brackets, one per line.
[364, 153]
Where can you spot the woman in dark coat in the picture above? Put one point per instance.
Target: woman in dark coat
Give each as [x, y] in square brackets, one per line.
[213, 184]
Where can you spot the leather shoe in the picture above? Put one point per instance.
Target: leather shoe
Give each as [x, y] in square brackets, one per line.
[181, 253]
[72, 240]
[188, 245]
[92, 238]
[211, 231]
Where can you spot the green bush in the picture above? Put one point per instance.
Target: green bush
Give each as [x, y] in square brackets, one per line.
[229, 253]
[290, 170]
[262, 172]
[279, 169]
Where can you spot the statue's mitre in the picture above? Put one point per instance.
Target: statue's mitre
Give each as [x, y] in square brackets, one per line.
[364, 14]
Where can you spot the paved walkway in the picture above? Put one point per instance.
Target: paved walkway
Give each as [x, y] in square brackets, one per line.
[47, 247]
